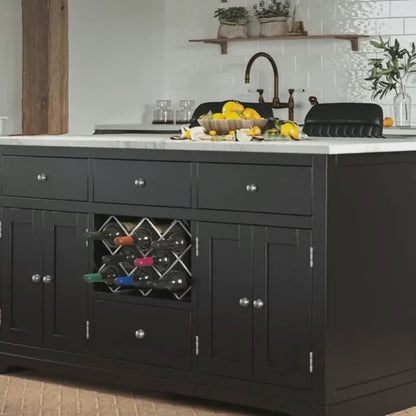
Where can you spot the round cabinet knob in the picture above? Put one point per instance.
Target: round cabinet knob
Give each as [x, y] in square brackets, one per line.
[139, 182]
[36, 278]
[252, 187]
[42, 177]
[258, 304]
[47, 279]
[139, 334]
[244, 302]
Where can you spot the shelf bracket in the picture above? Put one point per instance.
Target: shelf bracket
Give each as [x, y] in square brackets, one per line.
[352, 39]
[223, 44]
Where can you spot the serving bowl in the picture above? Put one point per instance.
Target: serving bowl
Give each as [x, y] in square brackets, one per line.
[222, 126]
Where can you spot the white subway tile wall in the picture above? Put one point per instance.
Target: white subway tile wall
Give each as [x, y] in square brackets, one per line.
[326, 68]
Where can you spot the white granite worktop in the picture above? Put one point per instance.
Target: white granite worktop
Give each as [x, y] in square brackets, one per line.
[394, 143]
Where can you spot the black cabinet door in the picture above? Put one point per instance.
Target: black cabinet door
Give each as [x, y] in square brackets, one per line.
[65, 292]
[282, 326]
[224, 277]
[21, 273]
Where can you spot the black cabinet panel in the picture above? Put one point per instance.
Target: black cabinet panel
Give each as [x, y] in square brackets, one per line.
[21, 259]
[64, 178]
[278, 189]
[282, 280]
[224, 277]
[165, 338]
[65, 298]
[161, 183]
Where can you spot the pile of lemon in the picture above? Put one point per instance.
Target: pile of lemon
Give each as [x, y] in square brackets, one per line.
[233, 110]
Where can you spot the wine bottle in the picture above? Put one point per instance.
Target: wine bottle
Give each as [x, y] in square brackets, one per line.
[142, 237]
[107, 274]
[175, 281]
[125, 255]
[140, 278]
[175, 242]
[109, 232]
[160, 259]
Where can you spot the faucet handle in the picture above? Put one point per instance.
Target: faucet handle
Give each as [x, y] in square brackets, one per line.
[261, 98]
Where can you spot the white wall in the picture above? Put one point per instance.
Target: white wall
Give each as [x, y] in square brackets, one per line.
[325, 68]
[125, 54]
[11, 64]
[116, 61]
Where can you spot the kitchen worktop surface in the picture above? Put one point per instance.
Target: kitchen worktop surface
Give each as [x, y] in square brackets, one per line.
[314, 145]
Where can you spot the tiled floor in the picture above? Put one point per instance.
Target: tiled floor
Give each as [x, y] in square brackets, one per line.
[29, 393]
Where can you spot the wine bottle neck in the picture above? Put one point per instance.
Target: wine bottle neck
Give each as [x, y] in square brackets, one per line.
[93, 277]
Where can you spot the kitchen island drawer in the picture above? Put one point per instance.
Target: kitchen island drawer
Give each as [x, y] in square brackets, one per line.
[146, 334]
[142, 182]
[45, 177]
[257, 188]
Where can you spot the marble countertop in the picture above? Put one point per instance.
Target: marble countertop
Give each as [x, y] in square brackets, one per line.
[314, 145]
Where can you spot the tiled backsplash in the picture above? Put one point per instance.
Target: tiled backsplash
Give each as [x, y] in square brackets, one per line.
[326, 68]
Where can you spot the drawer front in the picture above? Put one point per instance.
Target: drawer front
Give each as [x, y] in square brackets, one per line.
[142, 182]
[165, 340]
[45, 177]
[258, 188]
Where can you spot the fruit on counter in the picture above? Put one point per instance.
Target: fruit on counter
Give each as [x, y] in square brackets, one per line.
[291, 130]
[233, 110]
[254, 131]
[212, 133]
[388, 122]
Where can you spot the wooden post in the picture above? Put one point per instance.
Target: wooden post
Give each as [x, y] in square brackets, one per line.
[45, 67]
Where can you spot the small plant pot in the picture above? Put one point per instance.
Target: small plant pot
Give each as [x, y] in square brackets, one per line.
[230, 30]
[273, 26]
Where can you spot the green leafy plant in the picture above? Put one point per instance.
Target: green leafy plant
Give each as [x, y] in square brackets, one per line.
[274, 9]
[236, 15]
[389, 73]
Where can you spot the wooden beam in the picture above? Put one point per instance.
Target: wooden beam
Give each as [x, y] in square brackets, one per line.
[45, 67]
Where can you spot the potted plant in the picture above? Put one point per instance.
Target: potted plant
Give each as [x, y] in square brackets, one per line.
[389, 73]
[233, 22]
[273, 17]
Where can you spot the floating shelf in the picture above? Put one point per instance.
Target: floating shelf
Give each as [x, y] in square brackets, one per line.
[223, 43]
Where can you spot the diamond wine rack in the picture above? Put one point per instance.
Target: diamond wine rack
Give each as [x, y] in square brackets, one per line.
[161, 228]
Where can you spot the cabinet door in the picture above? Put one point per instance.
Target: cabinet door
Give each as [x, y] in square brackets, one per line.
[65, 292]
[224, 277]
[282, 327]
[21, 272]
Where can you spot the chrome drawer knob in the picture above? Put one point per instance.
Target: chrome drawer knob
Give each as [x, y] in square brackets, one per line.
[42, 177]
[139, 334]
[139, 182]
[251, 187]
[36, 278]
[47, 279]
[258, 304]
[244, 302]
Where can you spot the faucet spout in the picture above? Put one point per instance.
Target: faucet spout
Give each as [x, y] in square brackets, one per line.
[275, 102]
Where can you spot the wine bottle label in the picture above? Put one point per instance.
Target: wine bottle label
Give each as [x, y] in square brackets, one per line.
[144, 262]
[93, 277]
[124, 281]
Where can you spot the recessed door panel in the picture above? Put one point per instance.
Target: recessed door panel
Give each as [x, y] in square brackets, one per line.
[21, 269]
[224, 299]
[282, 322]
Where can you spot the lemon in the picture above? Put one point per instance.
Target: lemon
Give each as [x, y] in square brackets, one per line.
[290, 130]
[232, 106]
[251, 114]
[388, 122]
[255, 131]
[212, 133]
[233, 115]
[187, 134]
[218, 116]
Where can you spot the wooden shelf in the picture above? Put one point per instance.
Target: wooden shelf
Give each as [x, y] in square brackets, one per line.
[223, 42]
